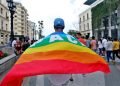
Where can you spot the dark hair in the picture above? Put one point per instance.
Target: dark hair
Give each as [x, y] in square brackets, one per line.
[115, 39]
[87, 37]
[78, 33]
[109, 39]
[15, 38]
[100, 40]
[93, 37]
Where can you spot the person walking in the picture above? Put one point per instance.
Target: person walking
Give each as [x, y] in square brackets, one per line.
[18, 47]
[104, 41]
[14, 42]
[100, 47]
[116, 45]
[80, 38]
[93, 44]
[87, 41]
[109, 49]
[25, 45]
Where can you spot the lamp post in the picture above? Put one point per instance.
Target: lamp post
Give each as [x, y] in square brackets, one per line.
[40, 28]
[34, 31]
[12, 8]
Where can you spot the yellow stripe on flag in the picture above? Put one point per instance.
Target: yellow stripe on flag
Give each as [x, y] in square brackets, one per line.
[59, 46]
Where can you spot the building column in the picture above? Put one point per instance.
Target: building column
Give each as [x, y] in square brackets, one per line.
[102, 33]
[109, 29]
[0, 37]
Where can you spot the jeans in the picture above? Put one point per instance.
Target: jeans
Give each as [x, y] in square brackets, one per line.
[115, 52]
[100, 51]
[109, 55]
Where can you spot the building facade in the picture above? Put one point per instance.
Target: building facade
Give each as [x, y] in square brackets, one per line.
[31, 29]
[20, 21]
[108, 23]
[85, 22]
[4, 23]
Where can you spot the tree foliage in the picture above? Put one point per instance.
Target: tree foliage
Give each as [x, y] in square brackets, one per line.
[72, 32]
[103, 9]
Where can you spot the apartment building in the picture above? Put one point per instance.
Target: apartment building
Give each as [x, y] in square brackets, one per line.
[85, 18]
[4, 23]
[112, 19]
[85, 23]
[20, 21]
[31, 29]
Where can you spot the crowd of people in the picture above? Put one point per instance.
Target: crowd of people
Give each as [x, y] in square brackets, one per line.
[107, 47]
[21, 45]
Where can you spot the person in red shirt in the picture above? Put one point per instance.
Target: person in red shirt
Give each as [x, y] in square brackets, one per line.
[79, 37]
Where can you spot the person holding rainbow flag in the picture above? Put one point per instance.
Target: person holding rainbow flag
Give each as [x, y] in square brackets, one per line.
[58, 53]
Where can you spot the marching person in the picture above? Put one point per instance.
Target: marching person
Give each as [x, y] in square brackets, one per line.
[116, 45]
[109, 49]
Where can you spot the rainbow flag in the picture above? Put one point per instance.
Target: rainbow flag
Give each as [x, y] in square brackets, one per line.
[57, 53]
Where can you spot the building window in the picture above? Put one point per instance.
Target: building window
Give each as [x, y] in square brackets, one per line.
[15, 15]
[15, 33]
[83, 18]
[80, 27]
[87, 16]
[7, 16]
[6, 27]
[84, 27]
[15, 20]
[22, 12]
[1, 10]
[88, 26]
[2, 35]
[22, 19]
[80, 20]
[22, 16]
[2, 24]
[22, 23]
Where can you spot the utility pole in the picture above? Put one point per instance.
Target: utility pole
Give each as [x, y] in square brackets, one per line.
[40, 28]
[12, 8]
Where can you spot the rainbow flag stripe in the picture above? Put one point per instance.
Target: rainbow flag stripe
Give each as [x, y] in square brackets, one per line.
[57, 53]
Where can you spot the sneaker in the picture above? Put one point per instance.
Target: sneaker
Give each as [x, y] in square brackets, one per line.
[113, 62]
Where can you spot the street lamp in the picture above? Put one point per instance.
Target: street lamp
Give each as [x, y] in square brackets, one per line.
[34, 26]
[12, 8]
[40, 28]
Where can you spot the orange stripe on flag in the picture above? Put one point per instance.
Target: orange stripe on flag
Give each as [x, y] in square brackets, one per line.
[82, 57]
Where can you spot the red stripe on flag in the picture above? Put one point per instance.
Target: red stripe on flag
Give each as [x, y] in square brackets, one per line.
[50, 67]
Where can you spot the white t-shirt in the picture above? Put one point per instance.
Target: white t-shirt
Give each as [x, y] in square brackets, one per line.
[100, 44]
[13, 43]
[59, 79]
[109, 46]
[104, 41]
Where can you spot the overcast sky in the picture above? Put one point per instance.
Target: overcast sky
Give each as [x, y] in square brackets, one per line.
[48, 10]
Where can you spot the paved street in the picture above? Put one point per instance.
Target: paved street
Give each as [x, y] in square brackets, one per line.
[93, 79]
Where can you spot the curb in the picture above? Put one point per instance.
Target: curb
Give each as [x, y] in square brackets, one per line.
[7, 62]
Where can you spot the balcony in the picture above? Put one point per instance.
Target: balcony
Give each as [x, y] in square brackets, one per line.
[89, 2]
